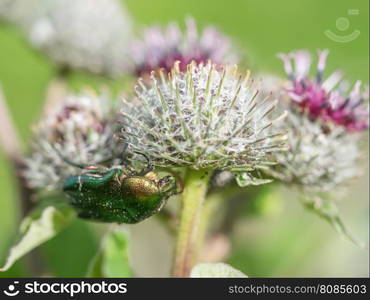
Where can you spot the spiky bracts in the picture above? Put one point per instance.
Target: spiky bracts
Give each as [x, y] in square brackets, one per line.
[209, 117]
[79, 129]
[317, 160]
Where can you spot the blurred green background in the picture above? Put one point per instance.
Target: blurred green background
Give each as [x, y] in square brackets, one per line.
[283, 240]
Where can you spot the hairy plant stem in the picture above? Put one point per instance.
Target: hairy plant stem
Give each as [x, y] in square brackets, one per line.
[212, 202]
[195, 189]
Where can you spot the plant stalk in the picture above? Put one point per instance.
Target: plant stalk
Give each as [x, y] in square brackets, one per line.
[195, 189]
[212, 202]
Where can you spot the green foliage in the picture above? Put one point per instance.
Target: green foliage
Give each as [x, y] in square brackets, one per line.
[70, 252]
[328, 211]
[112, 259]
[40, 226]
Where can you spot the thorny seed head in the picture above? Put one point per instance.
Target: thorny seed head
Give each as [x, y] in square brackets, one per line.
[320, 99]
[318, 160]
[79, 129]
[207, 117]
[91, 35]
[162, 47]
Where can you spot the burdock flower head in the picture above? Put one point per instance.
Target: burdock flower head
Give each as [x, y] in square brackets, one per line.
[161, 47]
[209, 117]
[91, 35]
[319, 98]
[317, 160]
[79, 129]
[323, 127]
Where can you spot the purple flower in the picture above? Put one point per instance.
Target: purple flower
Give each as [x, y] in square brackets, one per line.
[162, 47]
[322, 99]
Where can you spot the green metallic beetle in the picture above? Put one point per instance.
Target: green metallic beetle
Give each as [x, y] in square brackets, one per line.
[117, 194]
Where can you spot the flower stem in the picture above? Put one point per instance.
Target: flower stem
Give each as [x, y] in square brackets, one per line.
[195, 189]
[212, 202]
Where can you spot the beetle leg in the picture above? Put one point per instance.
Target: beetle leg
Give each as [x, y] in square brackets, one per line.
[168, 185]
[129, 171]
[178, 179]
[149, 167]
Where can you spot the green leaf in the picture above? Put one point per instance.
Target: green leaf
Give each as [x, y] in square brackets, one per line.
[71, 265]
[215, 270]
[329, 212]
[41, 225]
[112, 259]
[244, 179]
